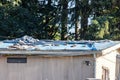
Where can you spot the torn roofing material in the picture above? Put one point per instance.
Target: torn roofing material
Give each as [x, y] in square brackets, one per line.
[29, 43]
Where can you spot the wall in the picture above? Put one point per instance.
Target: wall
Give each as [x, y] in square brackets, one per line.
[47, 68]
[107, 61]
[118, 66]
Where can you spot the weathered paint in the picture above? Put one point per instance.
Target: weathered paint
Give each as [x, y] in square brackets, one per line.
[58, 65]
[47, 68]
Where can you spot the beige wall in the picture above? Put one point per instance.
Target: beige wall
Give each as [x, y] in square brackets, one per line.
[47, 68]
[108, 61]
[118, 66]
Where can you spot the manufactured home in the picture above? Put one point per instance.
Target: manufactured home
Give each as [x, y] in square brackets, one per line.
[27, 58]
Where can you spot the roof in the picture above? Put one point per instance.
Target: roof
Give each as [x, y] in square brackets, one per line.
[30, 45]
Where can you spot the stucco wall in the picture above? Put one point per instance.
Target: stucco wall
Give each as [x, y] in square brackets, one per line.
[107, 61]
[47, 68]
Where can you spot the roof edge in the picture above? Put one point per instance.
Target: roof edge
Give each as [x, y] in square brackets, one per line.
[48, 52]
[112, 48]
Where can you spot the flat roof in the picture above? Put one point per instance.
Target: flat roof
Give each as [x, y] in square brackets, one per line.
[29, 45]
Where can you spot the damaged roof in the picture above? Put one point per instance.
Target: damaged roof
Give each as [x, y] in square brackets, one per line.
[30, 44]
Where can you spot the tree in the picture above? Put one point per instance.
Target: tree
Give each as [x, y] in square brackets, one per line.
[77, 15]
[51, 19]
[85, 10]
[19, 20]
[99, 28]
[64, 19]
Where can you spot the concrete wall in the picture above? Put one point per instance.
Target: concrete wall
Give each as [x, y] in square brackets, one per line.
[47, 68]
[108, 61]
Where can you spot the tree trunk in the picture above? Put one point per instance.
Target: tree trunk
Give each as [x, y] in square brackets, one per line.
[49, 2]
[76, 20]
[84, 26]
[85, 12]
[64, 19]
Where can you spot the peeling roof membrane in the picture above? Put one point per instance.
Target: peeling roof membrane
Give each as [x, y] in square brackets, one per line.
[23, 40]
[5, 45]
[29, 43]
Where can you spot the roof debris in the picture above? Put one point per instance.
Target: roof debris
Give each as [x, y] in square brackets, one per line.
[29, 43]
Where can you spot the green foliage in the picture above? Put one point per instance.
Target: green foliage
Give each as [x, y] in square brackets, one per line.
[99, 29]
[52, 19]
[16, 21]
